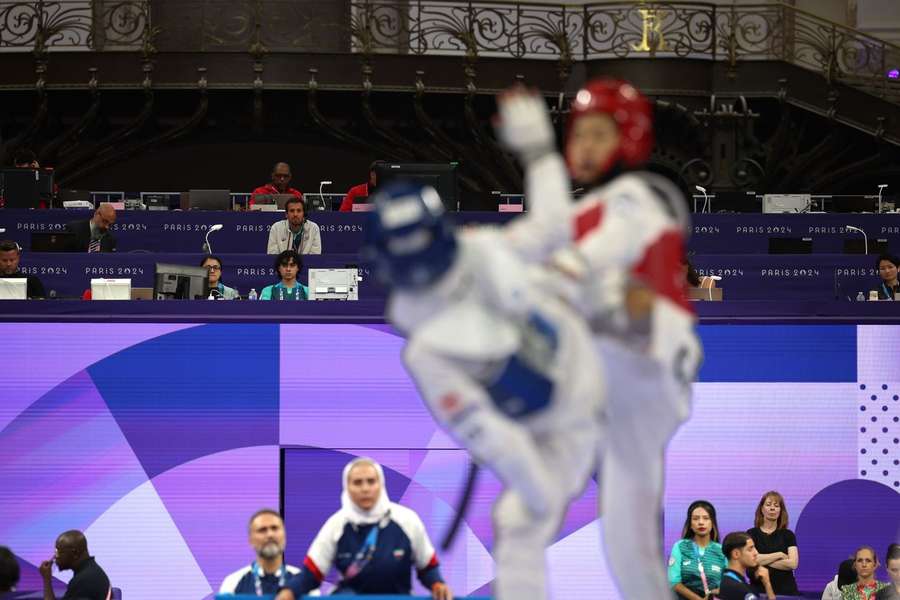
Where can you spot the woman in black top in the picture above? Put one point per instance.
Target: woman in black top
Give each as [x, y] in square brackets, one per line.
[887, 270]
[777, 545]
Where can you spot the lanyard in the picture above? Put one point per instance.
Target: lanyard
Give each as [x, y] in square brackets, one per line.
[700, 568]
[258, 574]
[888, 292]
[296, 291]
[363, 555]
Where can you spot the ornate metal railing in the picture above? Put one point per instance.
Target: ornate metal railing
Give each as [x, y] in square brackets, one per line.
[73, 24]
[487, 28]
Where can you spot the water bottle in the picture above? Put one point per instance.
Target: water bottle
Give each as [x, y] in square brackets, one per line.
[860, 297]
[211, 295]
[252, 295]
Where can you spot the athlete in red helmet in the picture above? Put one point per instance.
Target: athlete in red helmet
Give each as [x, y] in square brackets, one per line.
[620, 248]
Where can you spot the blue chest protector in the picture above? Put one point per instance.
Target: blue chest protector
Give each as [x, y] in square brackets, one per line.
[523, 385]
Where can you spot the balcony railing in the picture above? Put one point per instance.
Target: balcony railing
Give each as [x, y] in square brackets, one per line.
[562, 32]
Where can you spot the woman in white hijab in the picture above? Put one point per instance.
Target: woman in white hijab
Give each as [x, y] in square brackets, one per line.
[372, 542]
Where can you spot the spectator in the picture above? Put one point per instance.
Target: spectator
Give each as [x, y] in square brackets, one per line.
[776, 544]
[887, 270]
[845, 576]
[372, 541]
[288, 265]
[281, 177]
[213, 265]
[268, 573]
[360, 192]
[892, 591]
[741, 553]
[93, 235]
[9, 571]
[696, 563]
[295, 232]
[89, 582]
[10, 254]
[865, 562]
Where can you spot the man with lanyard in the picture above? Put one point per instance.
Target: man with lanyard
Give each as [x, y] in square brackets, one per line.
[741, 553]
[268, 573]
[295, 232]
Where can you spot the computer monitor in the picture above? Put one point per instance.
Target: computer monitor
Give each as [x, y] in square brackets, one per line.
[333, 284]
[857, 245]
[209, 200]
[441, 176]
[24, 188]
[54, 241]
[790, 245]
[13, 288]
[180, 282]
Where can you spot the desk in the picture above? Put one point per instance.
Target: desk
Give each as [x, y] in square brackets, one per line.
[372, 311]
[71, 273]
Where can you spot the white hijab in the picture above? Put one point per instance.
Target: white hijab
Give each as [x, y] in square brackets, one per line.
[354, 513]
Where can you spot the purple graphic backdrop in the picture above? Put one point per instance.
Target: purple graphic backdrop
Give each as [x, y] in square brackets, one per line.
[166, 438]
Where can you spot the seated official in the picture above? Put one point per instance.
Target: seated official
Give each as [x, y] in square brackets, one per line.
[10, 254]
[288, 265]
[213, 266]
[696, 563]
[9, 571]
[865, 563]
[281, 177]
[887, 270]
[372, 541]
[360, 193]
[295, 232]
[892, 591]
[742, 556]
[89, 581]
[93, 235]
[268, 573]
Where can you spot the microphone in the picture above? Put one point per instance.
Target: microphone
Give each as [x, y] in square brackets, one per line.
[322, 184]
[702, 190]
[206, 247]
[865, 237]
[710, 288]
[881, 187]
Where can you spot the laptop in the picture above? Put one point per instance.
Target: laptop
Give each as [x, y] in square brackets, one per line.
[13, 288]
[141, 293]
[208, 200]
[110, 289]
[271, 202]
[58, 241]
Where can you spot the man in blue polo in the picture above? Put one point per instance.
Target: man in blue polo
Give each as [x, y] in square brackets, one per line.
[739, 549]
[268, 573]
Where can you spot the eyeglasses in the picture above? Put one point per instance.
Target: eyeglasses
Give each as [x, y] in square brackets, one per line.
[213, 268]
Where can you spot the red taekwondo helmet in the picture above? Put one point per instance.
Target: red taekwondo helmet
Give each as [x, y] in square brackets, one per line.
[631, 112]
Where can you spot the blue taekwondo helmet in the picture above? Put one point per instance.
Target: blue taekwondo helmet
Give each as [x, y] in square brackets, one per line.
[409, 239]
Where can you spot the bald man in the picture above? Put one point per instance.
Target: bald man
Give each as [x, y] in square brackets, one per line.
[89, 582]
[281, 179]
[93, 235]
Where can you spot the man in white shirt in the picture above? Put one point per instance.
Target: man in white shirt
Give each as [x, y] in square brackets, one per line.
[295, 232]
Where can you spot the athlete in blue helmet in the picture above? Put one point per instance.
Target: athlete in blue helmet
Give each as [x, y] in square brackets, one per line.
[506, 368]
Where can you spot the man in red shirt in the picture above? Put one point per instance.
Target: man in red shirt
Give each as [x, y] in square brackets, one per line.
[363, 190]
[281, 177]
